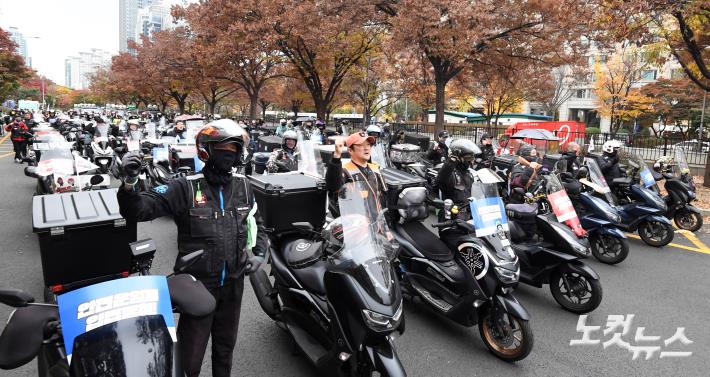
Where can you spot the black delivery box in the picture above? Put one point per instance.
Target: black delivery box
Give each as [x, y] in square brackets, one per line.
[268, 143]
[396, 181]
[287, 198]
[503, 165]
[82, 236]
[422, 141]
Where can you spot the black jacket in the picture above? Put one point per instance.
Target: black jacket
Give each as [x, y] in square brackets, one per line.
[438, 155]
[336, 176]
[488, 153]
[194, 204]
[609, 165]
[454, 182]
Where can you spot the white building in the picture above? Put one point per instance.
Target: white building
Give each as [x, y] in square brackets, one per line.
[152, 19]
[18, 38]
[127, 17]
[77, 69]
[142, 17]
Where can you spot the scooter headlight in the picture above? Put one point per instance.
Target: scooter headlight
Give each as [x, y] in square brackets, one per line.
[614, 217]
[381, 323]
[506, 275]
[691, 195]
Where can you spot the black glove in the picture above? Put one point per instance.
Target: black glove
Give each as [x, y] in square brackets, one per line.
[254, 263]
[131, 165]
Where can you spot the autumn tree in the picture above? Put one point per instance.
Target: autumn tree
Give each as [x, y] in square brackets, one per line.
[230, 51]
[552, 87]
[681, 26]
[614, 90]
[454, 36]
[672, 101]
[372, 84]
[12, 66]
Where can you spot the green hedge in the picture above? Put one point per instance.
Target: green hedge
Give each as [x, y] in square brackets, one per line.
[593, 131]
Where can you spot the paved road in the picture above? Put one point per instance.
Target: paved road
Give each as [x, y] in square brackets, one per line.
[665, 288]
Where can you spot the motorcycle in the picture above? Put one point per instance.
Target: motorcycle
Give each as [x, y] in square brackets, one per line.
[472, 285]
[335, 292]
[681, 192]
[102, 153]
[118, 327]
[60, 170]
[599, 217]
[640, 206]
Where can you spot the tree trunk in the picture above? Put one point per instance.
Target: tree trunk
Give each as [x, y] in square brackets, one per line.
[253, 104]
[440, 101]
[212, 106]
[321, 108]
[294, 109]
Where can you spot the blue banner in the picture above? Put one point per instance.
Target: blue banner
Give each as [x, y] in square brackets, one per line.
[487, 215]
[647, 177]
[161, 154]
[88, 308]
[198, 164]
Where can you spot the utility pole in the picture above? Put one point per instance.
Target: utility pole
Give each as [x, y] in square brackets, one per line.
[702, 117]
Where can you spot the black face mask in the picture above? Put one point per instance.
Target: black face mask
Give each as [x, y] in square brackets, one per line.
[222, 161]
[531, 158]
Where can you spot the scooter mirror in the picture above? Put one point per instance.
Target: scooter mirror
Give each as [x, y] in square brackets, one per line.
[15, 298]
[31, 172]
[185, 261]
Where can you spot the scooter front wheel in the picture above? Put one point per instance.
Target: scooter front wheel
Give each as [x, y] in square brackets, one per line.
[508, 337]
[656, 233]
[575, 292]
[688, 220]
[609, 249]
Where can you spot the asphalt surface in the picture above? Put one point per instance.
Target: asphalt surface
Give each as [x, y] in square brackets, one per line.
[665, 288]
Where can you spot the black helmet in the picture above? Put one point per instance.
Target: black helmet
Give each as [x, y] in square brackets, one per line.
[463, 147]
[98, 119]
[219, 131]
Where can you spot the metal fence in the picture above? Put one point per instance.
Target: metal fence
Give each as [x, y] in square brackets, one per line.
[650, 148]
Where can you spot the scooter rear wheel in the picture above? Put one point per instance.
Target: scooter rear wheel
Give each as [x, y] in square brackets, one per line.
[688, 220]
[609, 249]
[656, 233]
[581, 294]
[511, 340]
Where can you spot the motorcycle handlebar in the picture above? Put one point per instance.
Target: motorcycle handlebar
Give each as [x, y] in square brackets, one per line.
[444, 224]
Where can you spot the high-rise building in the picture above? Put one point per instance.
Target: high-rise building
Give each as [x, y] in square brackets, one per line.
[127, 17]
[152, 19]
[78, 69]
[18, 38]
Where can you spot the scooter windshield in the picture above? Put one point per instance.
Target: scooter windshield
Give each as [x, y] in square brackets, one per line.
[637, 166]
[596, 179]
[102, 130]
[680, 163]
[308, 160]
[139, 346]
[379, 156]
[562, 205]
[487, 209]
[366, 246]
[58, 161]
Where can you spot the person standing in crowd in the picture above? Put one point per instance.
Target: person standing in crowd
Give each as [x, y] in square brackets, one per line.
[440, 152]
[487, 151]
[284, 158]
[20, 136]
[214, 211]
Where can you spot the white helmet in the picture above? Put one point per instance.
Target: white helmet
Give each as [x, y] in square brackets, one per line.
[611, 145]
[282, 121]
[289, 135]
[374, 129]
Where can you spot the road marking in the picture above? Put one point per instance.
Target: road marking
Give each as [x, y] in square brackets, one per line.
[704, 249]
[694, 239]
[4, 138]
[7, 155]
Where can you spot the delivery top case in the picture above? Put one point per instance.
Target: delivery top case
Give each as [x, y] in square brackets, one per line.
[286, 198]
[75, 210]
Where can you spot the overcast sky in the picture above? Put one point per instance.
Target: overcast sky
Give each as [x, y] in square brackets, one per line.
[64, 28]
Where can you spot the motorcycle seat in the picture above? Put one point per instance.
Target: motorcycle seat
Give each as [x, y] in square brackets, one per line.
[425, 241]
[312, 277]
[530, 248]
[622, 181]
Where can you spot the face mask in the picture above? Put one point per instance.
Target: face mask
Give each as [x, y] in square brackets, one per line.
[223, 161]
[531, 158]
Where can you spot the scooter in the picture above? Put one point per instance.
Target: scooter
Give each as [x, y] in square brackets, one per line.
[334, 291]
[102, 153]
[550, 253]
[639, 204]
[131, 327]
[470, 278]
[681, 192]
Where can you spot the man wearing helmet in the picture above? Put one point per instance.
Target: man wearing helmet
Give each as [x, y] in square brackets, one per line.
[525, 172]
[454, 179]
[284, 159]
[214, 211]
[609, 161]
[281, 127]
[374, 131]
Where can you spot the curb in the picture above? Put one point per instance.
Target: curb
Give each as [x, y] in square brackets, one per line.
[704, 212]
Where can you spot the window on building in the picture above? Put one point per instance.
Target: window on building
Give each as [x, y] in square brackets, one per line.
[677, 73]
[648, 75]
